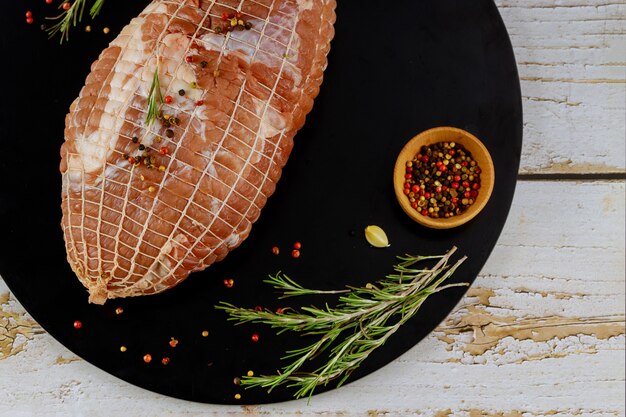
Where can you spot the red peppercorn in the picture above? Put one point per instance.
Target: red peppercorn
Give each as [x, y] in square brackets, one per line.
[168, 99]
[132, 160]
[297, 245]
[29, 14]
[66, 6]
[295, 253]
[454, 200]
[164, 150]
[199, 102]
[255, 337]
[165, 360]
[473, 193]
[258, 308]
[29, 20]
[49, 1]
[279, 310]
[229, 283]
[147, 358]
[78, 324]
[189, 59]
[475, 186]
[408, 176]
[436, 180]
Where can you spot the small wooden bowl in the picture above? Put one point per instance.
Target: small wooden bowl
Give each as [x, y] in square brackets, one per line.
[480, 155]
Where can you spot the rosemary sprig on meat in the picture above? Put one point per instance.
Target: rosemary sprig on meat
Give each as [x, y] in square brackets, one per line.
[71, 15]
[362, 321]
[155, 99]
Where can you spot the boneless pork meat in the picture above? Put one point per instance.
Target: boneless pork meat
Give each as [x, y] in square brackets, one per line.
[145, 204]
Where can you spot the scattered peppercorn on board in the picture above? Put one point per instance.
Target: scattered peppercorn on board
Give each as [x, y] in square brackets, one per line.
[442, 63]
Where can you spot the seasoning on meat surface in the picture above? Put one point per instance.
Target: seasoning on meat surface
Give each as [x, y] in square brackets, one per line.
[145, 204]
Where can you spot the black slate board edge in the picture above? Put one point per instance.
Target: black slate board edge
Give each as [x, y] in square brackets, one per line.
[478, 35]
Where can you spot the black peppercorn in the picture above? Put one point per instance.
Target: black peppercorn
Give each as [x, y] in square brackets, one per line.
[442, 180]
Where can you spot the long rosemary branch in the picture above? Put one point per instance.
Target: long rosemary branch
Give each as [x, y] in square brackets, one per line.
[362, 321]
[71, 17]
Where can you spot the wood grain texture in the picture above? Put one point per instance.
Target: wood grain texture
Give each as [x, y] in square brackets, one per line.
[540, 333]
[571, 56]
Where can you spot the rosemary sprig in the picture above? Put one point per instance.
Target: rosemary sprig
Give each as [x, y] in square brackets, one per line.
[155, 98]
[96, 8]
[362, 321]
[290, 288]
[71, 17]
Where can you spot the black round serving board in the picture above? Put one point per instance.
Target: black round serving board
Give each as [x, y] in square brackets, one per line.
[393, 72]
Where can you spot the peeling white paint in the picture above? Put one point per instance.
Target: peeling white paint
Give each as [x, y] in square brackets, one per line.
[571, 58]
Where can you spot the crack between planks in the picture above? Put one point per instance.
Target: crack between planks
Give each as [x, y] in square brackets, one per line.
[608, 176]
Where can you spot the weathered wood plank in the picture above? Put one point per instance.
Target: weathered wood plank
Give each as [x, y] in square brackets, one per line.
[540, 333]
[572, 58]
[542, 330]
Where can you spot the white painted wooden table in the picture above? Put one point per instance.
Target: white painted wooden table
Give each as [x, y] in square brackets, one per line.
[541, 332]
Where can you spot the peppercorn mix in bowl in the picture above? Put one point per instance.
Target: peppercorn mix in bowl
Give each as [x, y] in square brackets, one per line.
[443, 177]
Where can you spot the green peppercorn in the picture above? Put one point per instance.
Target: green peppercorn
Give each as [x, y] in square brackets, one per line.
[440, 174]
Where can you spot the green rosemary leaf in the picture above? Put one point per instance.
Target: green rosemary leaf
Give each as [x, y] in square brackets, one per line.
[290, 288]
[71, 17]
[362, 321]
[155, 99]
[96, 8]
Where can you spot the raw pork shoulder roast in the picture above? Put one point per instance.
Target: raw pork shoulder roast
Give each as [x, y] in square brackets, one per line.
[145, 204]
